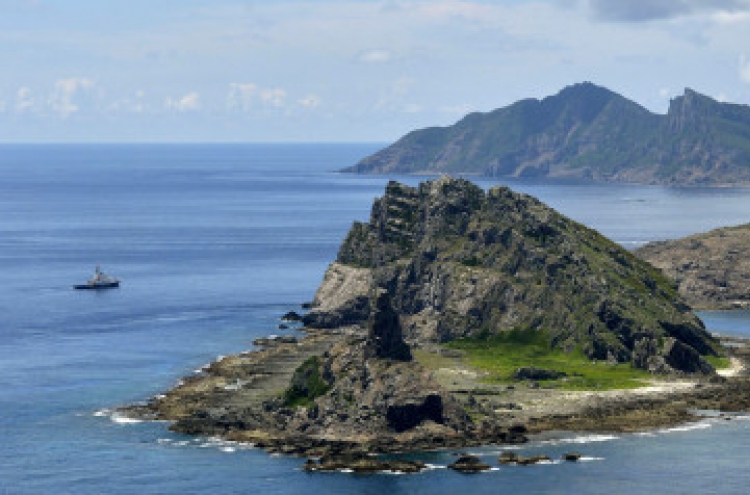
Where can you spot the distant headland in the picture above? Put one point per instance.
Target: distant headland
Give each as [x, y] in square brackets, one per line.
[584, 132]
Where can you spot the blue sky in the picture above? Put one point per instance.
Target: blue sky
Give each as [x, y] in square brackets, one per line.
[338, 70]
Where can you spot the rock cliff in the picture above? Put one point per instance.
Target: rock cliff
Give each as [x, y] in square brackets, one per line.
[586, 132]
[461, 263]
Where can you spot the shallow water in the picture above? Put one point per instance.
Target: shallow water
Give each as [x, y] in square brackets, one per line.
[213, 244]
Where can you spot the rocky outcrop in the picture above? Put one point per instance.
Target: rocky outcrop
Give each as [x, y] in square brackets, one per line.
[461, 263]
[712, 270]
[342, 298]
[376, 391]
[363, 464]
[469, 464]
[588, 132]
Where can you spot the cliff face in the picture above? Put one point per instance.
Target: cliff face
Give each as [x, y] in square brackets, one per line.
[587, 132]
[712, 270]
[459, 262]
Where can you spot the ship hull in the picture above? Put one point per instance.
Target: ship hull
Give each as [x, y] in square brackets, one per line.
[107, 285]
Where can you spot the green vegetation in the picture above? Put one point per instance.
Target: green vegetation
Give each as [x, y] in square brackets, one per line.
[501, 354]
[718, 362]
[307, 384]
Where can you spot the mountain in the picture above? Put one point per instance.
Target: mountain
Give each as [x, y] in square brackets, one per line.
[461, 263]
[586, 132]
[711, 269]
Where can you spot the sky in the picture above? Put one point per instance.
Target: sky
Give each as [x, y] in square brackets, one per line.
[342, 70]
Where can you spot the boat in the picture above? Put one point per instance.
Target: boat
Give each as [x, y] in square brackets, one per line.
[100, 280]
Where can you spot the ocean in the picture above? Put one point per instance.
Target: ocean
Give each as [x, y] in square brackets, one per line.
[213, 243]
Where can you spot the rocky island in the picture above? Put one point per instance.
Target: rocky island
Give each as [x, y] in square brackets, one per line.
[584, 132]
[459, 317]
[712, 270]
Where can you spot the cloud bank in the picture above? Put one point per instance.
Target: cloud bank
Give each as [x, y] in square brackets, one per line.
[650, 10]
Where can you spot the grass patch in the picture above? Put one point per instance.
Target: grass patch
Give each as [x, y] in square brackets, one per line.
[719, 363]
[307, 384]
[500, 355]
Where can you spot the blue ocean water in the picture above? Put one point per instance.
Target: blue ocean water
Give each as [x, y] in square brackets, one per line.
[213, 243]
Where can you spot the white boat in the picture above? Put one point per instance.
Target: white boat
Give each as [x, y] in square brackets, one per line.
[100, 280]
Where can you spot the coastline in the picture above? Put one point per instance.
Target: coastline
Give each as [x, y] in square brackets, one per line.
[249, 380]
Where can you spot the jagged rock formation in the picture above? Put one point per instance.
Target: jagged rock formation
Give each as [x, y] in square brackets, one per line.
[459, 262]
[384, 336]
[584, 131]
[374, 386]
[712, 270]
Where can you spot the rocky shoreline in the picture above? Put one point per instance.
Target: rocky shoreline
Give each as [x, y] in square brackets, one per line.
[206, 404]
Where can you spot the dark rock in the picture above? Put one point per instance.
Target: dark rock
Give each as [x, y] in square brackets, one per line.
[683, 357]
[534, 373]
[384, 336]
[469, 464]
[508, 458]
[292, 316]
[271, 341]
[402, 417]
[306, 305]
[283, 326]
[526, 461]
[362, 463]
[571, 456]
[354, 311]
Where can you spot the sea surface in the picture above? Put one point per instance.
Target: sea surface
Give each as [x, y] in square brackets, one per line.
[213, 243]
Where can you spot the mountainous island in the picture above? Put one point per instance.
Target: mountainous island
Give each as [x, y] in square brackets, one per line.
[459, 317]
[712, 270]
[584, 132]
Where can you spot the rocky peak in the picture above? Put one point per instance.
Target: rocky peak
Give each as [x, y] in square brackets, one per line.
[457, 262]
[689, 111]
[581, 102]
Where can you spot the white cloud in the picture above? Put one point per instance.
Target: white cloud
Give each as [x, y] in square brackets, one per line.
[375, 56]
[241, 96]
[134, 104]
[65, 91]
[650, 10]
[310, 101]
[744, 68]
[664, 93]
[244, 96]
[189, 102]
[24, 99]
[273, 96]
